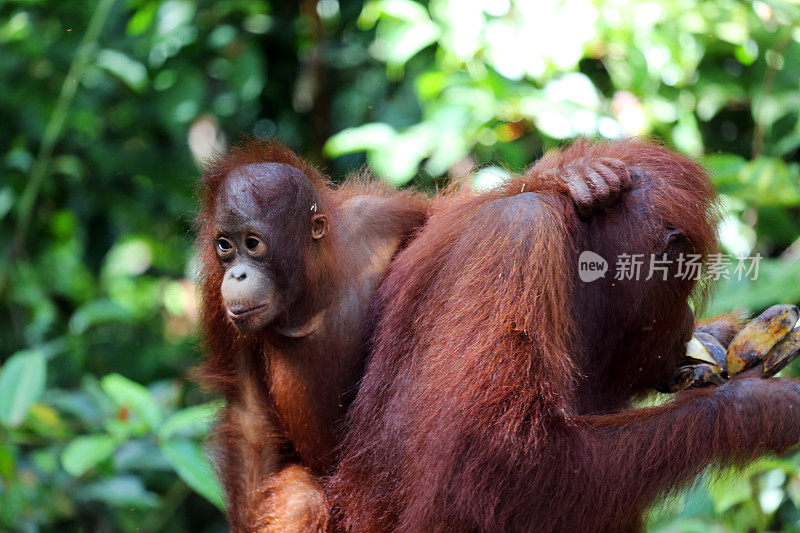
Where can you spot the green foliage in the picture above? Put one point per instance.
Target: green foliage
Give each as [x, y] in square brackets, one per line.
[110, 106]
[190, 463]
[22, 382]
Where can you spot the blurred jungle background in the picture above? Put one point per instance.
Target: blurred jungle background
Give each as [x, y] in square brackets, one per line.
[108, 108]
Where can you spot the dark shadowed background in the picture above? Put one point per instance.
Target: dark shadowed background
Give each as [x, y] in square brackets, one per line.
[108, 107]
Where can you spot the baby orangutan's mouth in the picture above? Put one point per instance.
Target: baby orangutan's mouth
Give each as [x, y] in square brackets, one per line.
[250, 318]
[241, 311]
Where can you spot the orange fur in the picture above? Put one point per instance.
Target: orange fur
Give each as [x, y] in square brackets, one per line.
[286, 397]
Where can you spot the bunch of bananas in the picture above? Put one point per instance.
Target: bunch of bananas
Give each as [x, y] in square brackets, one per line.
[770, 341]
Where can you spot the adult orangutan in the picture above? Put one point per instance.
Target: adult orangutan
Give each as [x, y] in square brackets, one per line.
[497, 393]
[289, 266]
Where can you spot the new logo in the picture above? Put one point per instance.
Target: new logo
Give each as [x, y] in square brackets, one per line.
[591, 266]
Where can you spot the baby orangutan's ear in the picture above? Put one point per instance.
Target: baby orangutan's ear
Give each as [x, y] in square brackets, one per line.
[319, 226]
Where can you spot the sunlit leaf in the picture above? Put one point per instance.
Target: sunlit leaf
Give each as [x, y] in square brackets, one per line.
[193, 467]
[128, 394]
[22, 380]
[130, 71]
[762, 181]
[366, 137]
[142, 19]
[85, 452]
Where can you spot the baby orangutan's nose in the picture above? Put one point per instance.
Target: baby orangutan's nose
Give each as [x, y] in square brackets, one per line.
[238, 273]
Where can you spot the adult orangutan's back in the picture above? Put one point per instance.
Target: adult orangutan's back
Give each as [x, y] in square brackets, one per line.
[491, 398]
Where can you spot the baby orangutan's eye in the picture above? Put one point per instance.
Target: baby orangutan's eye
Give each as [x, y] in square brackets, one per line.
[254, 245]
[224, 245]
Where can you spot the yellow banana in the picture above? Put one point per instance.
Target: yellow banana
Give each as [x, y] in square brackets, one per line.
[705, 347]
[782, 353]
[759, 336]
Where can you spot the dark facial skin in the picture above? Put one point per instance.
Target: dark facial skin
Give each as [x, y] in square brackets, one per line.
[244, 235]
[686, 336]
[674, 244]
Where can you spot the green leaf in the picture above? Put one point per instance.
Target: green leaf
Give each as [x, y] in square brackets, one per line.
[7, 462]
[405, 10]
[136, 397]
[141, 455]
[778, 281]
[190, 422]
[85, 452]
[724, 168]
[729, 489]
[366, 137]
[120, 491]
[6, 201]
[142, 19]
[762, 181]
[22, 380]
[400, 42]
[130, 71]
[733, 485]
[193, 467]
[97, 312]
